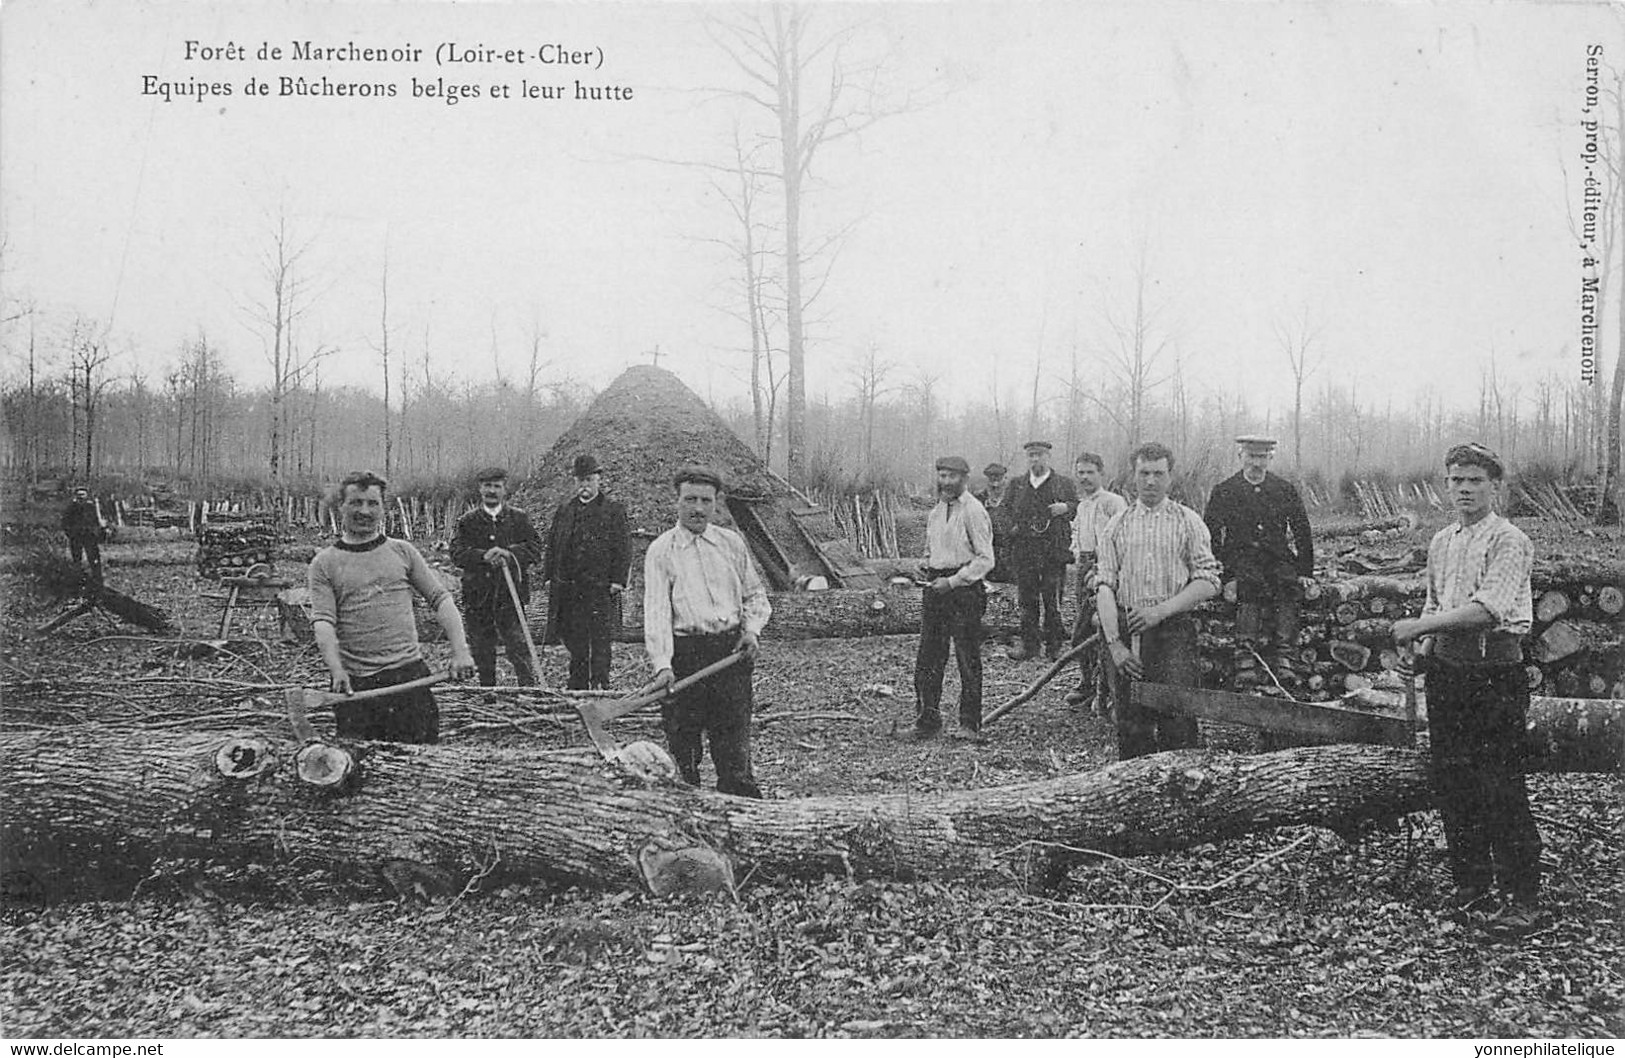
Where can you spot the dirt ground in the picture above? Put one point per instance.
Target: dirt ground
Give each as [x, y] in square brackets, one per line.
[1288, 933]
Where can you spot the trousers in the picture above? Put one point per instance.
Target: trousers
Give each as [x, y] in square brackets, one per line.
[1168, 653]
[491, 619]
[718, 708]
[952, 618]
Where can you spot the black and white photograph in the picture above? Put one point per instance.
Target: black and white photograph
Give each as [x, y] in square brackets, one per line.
[863, 520]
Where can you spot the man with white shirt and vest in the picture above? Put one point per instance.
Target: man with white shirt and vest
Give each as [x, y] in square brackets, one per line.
[959, 554]
[1156, 566]
[492, 537]
[1470, 636]
[1040, 505]
[702, 601]
[1096, 507]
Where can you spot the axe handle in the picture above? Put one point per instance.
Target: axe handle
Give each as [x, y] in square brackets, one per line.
[611, 710]
[524, 623]
[1037, 685]
[329, 697]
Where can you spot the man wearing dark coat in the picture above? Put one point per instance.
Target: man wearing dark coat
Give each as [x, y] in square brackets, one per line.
[489, 539]
[84, 529]
[1261, 537]
[589, 553]
[1040, 505]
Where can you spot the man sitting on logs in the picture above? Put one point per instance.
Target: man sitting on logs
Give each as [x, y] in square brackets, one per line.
[1096, 507]
[361, 615]
[959, 553]
[1156, 565]
[1470, 634]
[1040, 505]
[589, 554]
[1261, 537]
[493, 545]
[704, 600]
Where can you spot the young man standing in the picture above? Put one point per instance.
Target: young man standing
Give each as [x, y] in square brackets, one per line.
[1156, 565]
[589, 555]
[1040, 505]
[959, 554]
[1470, 636]
[84, 528]
[703, 600]
[1261, 536]
[361, 613]
[490, 539]
[1096, 507]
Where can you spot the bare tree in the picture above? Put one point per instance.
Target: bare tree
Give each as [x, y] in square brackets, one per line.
[88, 356]
[1298, 339]
[1136, 347]
[286, 287]
[871, 373]
[782, 63]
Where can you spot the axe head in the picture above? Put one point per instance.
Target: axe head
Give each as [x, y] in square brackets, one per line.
[592, 716]
[299, 702]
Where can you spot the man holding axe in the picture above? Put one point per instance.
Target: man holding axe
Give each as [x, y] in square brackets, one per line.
[494, 544]
[703, 600]
[361, 613]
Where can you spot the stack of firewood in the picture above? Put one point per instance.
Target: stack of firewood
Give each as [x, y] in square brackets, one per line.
[231, 544]
[1346, 640]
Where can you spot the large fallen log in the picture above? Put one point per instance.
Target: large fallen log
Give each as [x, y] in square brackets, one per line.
[91, 801]
[96, 801]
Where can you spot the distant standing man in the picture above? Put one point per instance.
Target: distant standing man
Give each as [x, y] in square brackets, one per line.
[1470, 634]
[1156, 565]
[1040, 505]
[493, 537]
[703, 600]
[84, 528]
[1096, 507]
[361, 612]
[589, 554]
[991, 497]
[959, 553]
[1261, 537]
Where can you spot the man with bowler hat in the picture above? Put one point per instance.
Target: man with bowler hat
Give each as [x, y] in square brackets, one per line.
[589, 552]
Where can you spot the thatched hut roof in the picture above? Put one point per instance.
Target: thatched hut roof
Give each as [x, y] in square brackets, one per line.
[643, 429]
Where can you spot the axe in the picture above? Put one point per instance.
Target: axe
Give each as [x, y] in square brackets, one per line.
[595, 714]
[524, 623]
[300, 700]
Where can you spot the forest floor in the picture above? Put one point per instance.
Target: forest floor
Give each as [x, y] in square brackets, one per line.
[1289, 933]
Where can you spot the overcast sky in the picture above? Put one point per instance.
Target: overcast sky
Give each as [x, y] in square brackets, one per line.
[1397, 169]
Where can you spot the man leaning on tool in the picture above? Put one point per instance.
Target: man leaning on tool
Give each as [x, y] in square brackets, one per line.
[361, 613]
[589, 553]
[1156, 565]
[1096, 506]
[493, 537]
[1040, 505]
[703, 600]
[1470, 634]
[1261, 537]
[959, 553]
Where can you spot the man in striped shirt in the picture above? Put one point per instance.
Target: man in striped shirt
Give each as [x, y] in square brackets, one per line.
[704, 600]
[959, 554]
[1471, 632]
[1156, 565]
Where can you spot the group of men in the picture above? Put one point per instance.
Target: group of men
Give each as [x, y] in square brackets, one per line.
[1149, 564]
[703, 600]
[1144, 566]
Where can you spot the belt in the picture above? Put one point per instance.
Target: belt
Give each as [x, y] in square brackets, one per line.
[727, 633]
[942, 571]
[1480, 648]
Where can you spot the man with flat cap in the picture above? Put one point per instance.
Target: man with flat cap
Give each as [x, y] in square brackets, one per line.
[1040, 505]
[491, 538]
[991, 496]
[702, 601]
[589, 555]
[1261, 537]
[959, 554]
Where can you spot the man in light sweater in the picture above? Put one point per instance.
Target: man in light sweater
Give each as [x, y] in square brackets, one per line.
[361, 613]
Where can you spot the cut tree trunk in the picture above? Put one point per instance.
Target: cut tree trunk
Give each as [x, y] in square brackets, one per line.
[92, 801]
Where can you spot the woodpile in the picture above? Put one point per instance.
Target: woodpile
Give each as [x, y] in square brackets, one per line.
[230, 544]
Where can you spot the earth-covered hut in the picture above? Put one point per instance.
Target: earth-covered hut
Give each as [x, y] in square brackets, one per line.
[644, 428]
